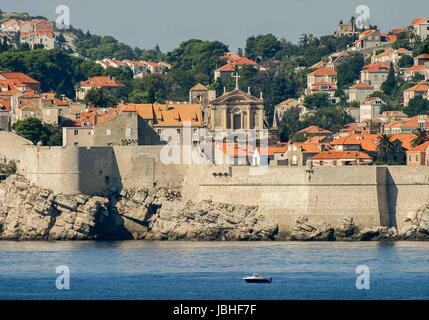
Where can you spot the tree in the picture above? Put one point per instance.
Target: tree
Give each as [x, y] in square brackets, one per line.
[417, 106]
[100, 98]
[34, 130]
[349, 72]
[385, 148]
[330, 118]
[289, 125]
[262, 47]
[390, 85]
[405, 62]
[316, 101]
[421, 137]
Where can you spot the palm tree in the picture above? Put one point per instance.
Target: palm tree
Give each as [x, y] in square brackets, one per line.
[385, 148]
[421, 137]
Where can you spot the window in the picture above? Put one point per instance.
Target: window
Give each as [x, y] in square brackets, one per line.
[76, 144]
[76, 132]
[178, 131]
[108, 132]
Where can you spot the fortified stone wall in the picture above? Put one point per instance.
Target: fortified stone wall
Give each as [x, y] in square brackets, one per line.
[325, 195]
[373, 196]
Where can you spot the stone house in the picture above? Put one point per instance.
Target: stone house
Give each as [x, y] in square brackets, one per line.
[370, 109]
[421, 89]
[200, 94]
[421, 27]
[22, 80]
[360, 92]
[340, 158]
[375, 74]
[322, 80]
[107, 83]
[419, 155]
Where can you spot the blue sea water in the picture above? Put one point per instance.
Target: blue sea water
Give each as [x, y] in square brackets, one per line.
[213, 270]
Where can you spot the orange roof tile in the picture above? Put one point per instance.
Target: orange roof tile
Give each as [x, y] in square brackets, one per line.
[314, 130]
[334, 155]
[101, 82]
[420, 87]
[416, 68]
[420, 148]
[361, 85]
[323, 72]
[226, 68]
[418, 21]
[22, 77]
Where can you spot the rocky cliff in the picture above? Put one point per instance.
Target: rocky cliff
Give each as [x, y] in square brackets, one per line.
[28, 212]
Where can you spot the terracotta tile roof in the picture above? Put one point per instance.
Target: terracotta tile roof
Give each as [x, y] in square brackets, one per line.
[272, 150]
[361, 85]
[397, 31]
[403, 50]
[101, 82]
[314, 130]
[318, 86]
[323, 72]
[226, 68]
[336, 155]
[423, 56]
[420, 148]
[405, 138]
[368, 142]
[377, 67]
[21, 77]
[418, 21]
[167, 115]
[416, 68]
[235, 150]
[29, 106]
[420, 87]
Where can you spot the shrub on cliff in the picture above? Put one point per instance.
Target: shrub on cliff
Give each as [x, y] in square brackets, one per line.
[35, 131]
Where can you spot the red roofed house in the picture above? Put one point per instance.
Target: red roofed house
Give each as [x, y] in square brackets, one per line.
[340, 158]
[360, 92]
[22, 78]
[300, 153]
[420, 89]
[108, 83]
[422, 59]
[421, 27]
[233, 61]
[38, 32]
[313, 131]
[375, 74]
[323, 80]
[410, 72]
[407, 125]
[419, 155]
[371, 39]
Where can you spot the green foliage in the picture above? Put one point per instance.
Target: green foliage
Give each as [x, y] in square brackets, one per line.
[403, 41]
[421, 137]
[56, 70]
[262, 47]
[390, 85]
[100, 98]
[406, 62]
[35, 131]
[330, 118]
[385, 148]
[8, 168]
[289, 125]
[317, 101]
[417, 106]
[349, 72]
[198, 57]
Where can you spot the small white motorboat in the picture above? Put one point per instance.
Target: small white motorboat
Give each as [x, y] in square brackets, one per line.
[257, 278]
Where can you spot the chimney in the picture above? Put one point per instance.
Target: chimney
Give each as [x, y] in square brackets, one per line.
[248, 91]
[224, 90]
[261, 95]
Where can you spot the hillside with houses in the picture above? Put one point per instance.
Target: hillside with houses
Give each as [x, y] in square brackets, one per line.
[355, 97]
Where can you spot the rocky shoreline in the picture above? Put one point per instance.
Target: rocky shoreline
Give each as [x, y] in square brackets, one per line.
[28, 212]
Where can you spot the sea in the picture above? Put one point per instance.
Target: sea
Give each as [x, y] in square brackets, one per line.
[142, 270]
